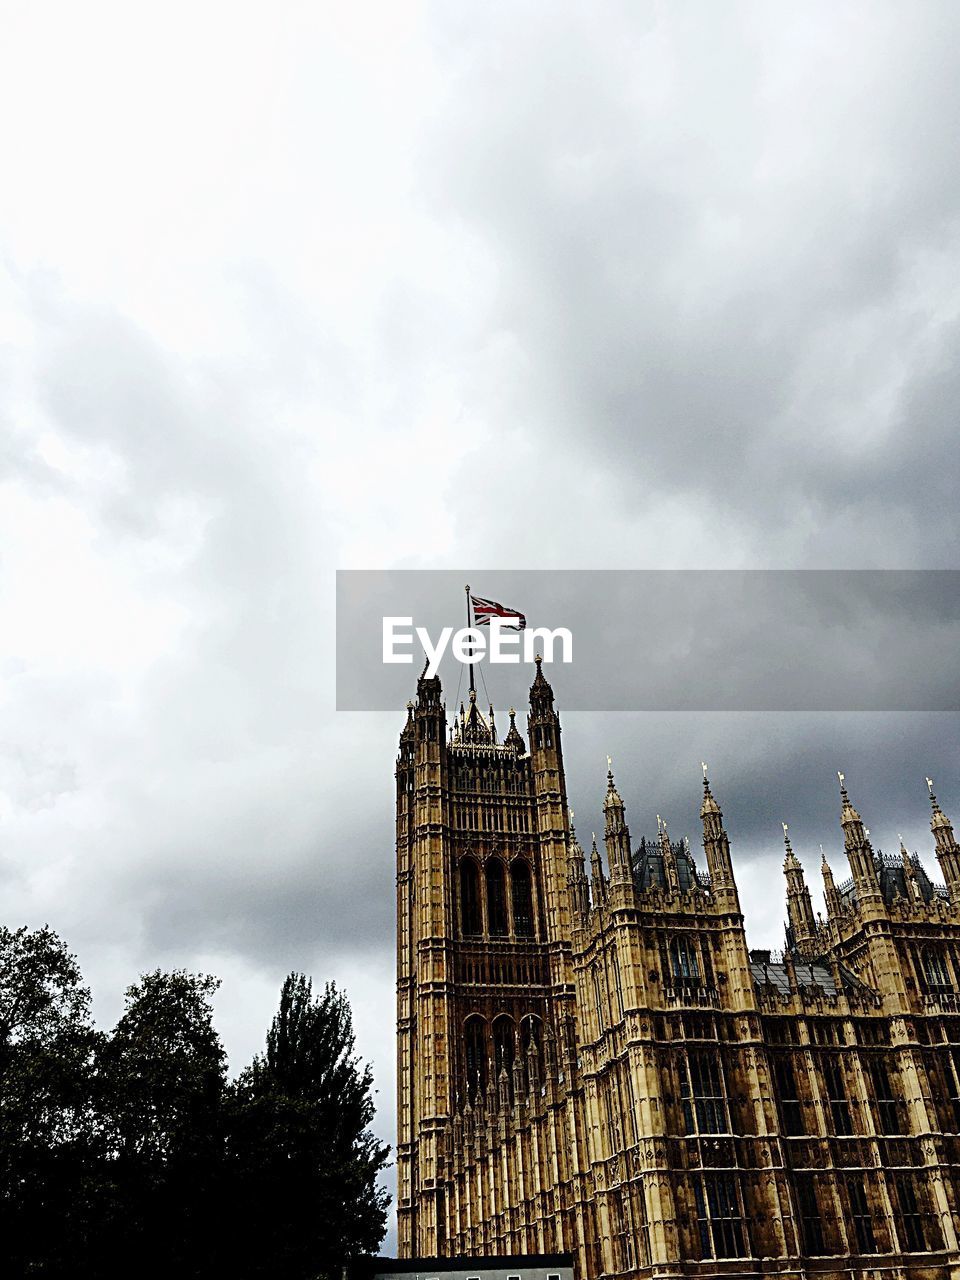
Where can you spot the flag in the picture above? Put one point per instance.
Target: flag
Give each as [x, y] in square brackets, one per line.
[484, 610]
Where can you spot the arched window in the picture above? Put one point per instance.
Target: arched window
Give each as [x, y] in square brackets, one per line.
[935, 970]
[475, 1056]
[522, 899]
[470, 917]
[496, 899]
[684, 964]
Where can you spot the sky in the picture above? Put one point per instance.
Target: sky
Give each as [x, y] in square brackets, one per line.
[289, 288]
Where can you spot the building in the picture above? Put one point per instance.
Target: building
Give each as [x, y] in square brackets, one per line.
[557, 1266]
[599, 1065]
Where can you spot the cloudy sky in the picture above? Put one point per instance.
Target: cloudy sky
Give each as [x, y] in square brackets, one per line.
[286, 288]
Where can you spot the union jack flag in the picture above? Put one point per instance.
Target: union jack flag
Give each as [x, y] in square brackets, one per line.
[484, 610]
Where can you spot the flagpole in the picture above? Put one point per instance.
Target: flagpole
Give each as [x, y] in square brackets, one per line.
[473, 687]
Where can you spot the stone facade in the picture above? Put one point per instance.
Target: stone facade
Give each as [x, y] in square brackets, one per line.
[601, 1066]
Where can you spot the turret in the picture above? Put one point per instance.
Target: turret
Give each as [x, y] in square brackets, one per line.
[513, 738]
[598, 883]
[716, 849]
[670, 872]
[577, 877]
[948, 853]
[830, 896]
[866, 882]
[910, 883]
[550, 788]
[616, 834]
[799, 906]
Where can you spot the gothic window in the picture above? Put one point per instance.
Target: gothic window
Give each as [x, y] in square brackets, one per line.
[791, 1108]
[475, 1055]
[837, 1095]
[683, 961]
[470, 916]
[909, 1219]
[935, 970]
[719, 1218]
[496, 899]
[701, 1094]
[861, 1215]
[885, 1101]
[522, 899]
[810, 1217]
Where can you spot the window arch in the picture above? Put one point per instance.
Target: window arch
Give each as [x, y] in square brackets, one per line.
[471, 919]
[684, 962]
[496, 899]
[522, 892]
[475, 1055]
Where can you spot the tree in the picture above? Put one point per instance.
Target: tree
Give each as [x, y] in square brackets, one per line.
[49, 1133]
[163, 1076]
[303, 1164]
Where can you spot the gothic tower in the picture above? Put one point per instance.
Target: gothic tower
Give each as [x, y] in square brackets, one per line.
[485, 983]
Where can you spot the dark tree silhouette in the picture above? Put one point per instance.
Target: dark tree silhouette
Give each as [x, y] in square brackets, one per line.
[163, 1074]
[304, 1163]
[49, 1136]
[129, 1153]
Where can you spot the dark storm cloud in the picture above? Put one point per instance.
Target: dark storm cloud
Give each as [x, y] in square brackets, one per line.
[723, 237]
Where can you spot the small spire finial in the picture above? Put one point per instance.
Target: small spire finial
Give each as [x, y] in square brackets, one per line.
[841, 777]
[930, 785]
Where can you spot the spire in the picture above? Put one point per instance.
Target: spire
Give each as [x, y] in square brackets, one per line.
[790, 862]
[799, 907]
[709, 805]
[576, 875]
[598, 885]
[830, 896]
[513, 738]
[541, 694]
[409, 729]
[847, 812]
[948, 853]
[474, 727]
[858, 848]
[616, 833]
[716, 848]
[670, 872]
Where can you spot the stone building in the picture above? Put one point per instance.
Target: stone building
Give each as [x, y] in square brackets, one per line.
[591, 1060]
